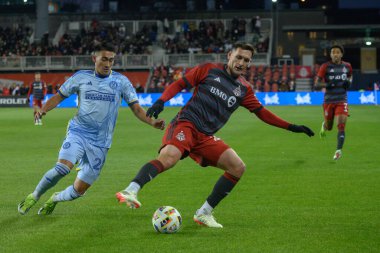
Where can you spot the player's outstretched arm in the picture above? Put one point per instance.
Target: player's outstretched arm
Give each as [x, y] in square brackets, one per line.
[50, 104]
[141, 114]
[272, 119]
[169, 93]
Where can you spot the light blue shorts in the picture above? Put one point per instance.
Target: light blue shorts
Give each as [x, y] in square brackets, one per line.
[90, 158]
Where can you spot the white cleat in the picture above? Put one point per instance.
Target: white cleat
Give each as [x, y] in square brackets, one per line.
[207, 220]
[129, 198]
[337, 155]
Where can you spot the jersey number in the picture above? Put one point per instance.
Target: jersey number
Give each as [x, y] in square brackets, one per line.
[98, 162]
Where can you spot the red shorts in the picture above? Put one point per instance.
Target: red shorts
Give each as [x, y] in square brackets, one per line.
[37, 102]
[202, 148]
[334, 109]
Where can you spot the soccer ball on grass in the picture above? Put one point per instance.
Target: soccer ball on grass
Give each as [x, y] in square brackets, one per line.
[166, 220]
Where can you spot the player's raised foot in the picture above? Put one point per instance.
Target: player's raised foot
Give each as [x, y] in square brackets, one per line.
[129, 198]
[26, 204]
[337, 155]
[49, 206]
[207, 220]
[322, 133]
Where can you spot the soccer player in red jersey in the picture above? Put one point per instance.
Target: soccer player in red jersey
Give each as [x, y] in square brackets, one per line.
[39, 90]
[335, 76]
[219, 91]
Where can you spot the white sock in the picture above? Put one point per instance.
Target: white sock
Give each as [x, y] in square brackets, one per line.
[133, 187]
[205, 209]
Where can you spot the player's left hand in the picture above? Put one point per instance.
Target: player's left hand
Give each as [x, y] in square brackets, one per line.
[301, 129]
[159, 124]
[155, 109]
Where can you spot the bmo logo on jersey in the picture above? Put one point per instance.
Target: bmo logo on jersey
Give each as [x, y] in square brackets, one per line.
[230, 100]
[339, 77]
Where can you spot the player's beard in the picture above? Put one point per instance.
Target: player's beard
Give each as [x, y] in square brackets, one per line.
[106, 71]
[337, 60]
[237, 71]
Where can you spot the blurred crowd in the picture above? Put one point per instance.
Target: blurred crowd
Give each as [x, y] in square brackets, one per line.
[162, 76]
[207, 37]
[262, 78]
[19, 41]
[212, 37]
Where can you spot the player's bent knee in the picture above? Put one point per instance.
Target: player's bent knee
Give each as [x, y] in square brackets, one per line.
[81, 187]
[168, 161]
[241, 169]
[237, 170]
[69, 164]
[169, 156]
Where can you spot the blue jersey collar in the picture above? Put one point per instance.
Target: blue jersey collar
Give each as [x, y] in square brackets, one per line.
[101, 76]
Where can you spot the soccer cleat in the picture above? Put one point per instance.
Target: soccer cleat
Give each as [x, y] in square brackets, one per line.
[26, 204]
[322, 133]
[129, 198]
[49, 206]
[207, 220]
[337, 155]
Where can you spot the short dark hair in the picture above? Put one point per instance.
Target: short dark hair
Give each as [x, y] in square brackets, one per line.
[338, 46]
[105, 46]
[245, 46]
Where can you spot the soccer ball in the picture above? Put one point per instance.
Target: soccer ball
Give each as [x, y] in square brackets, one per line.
[166, 220]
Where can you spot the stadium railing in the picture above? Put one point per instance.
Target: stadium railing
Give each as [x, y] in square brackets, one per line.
[47, 63]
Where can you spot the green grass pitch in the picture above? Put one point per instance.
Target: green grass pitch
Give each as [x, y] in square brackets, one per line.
[292, 198]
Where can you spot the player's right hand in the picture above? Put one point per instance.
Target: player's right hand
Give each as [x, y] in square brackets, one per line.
[159, 124]
[155, 109]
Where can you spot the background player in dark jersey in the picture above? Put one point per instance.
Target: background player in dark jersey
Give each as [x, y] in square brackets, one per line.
[219, 91]
[336, 77]
[39, 90]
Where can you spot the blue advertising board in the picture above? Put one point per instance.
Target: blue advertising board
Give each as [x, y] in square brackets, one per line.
[266, 98]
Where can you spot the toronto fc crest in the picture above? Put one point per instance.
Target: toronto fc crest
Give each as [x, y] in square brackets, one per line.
[237, 91]
[180, 136]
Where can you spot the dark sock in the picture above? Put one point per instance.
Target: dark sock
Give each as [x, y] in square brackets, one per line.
[222, 188]
[148, 172]
[341, 136]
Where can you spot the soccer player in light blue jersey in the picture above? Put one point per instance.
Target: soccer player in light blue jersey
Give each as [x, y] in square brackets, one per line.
[89, 133]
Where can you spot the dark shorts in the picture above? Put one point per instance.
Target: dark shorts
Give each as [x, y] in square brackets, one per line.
[204, 149]
[37, 102]
[333, 109]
